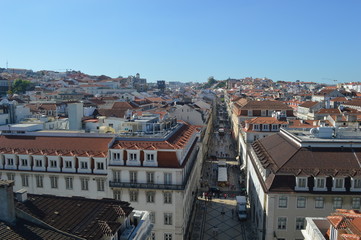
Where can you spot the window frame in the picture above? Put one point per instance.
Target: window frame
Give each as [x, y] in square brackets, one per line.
[282, 201]
[282, 225]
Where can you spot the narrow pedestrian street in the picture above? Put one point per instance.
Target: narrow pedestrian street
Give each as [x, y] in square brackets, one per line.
[215, 214]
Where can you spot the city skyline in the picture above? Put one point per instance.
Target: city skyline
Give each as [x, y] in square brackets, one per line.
[186, 41]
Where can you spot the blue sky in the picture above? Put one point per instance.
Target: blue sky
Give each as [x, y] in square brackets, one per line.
[181, 40]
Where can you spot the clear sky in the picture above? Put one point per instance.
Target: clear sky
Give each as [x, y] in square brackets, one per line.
[186, 40]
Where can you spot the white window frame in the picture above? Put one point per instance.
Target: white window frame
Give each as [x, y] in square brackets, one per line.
[133, 196]
[300, 223]
[54, 182]
[168, 178]
[317, 181]
[53, 163]
[25, 180]
[356, 203]
[337, 202]
[256, 127]
[282, 201]
[100, 184]
[301, 184]
[150, 196]
[301, 202]
[117, 194]
[355, 184]
[69, 183]
[24, 162]
[117, 176]
[11, 176]
[167, 197]
[39, 181]
[265, 127]
[168, 219]
[84, 182]
[150, 177]
[133, 177]
[319, 201]
[83, 165]
[338, 184]
[100, 165]
[282, 223]
[38, 163]
[275, 127]
[68, 164]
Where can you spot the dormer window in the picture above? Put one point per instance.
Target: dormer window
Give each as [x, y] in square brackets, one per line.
[301, 184]
[10, 161]
[116, 156]
[265, 127]
[132, 156]
[320, 184]
[356, 184]
[150, 157]
[338, 184]
[274, 127]
[256, 127]
[38, 163]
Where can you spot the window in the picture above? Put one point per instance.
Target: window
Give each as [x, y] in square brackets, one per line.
[150, 196]
[24, 162]
[320, 184]
[357, 183]
[25, 180]
[301, 183]
[150, 157]
[282, 223]
[300, 223]
[274, 127]
[132, 156]
[133, 177]
[167, 236]
[38, 163]
[282, 202]
[117, 195]
[168, 219]
[100, 185]
[83, 165]
[53, 163]
[152, 217]
[39, 181]
[133, 196]
[54, 182]
[167, 197]
[11, 176]
[301, 202]
[338, 183]
[68, 164]
[167, 178]
[337, 202]
[255, 126]
[69, 183]
[150, 177]
[84, 184]
[356, 203]
[319, 202]
[10, 161]
[100, 165]
[152, 236]
[265, 127]
[116, 156]
[116, 176]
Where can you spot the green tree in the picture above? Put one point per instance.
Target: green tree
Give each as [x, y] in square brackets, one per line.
[20, 86]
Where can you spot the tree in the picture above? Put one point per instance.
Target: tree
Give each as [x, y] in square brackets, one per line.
[20, 86]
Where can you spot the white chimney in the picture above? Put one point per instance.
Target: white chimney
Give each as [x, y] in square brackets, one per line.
[22, 195]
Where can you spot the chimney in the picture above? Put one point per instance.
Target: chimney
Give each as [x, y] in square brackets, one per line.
[7, 206]
[21, 195]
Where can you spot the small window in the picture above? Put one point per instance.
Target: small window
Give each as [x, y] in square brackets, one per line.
[10, 161]
[84, 184]
[25, 180]
[117, 195]
[167, 236]
[39, 181]
[133, 156]
[265, 127]
[54, 182]
[150, 177]
[68, 164]
[282, 202]
[167, 197]
[83, 165]
[301, 183]
[133, 196]
[300, 223]
[133, 177]
[11, 176]
[320, 184]
[256, 127]
[356, 203]
[301, 202]
[53, 163]
[150, 196]
[69, 183]
[150, 157]
[319, 202]
[38, 163]
[168, 219]
[357, 183]
[117, 176]
[337, 203]
[282, 223]
[100, 165]
[167, 178]
[100, 184]
[24, 162]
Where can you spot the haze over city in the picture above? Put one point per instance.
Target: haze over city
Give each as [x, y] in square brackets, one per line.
[186, 40]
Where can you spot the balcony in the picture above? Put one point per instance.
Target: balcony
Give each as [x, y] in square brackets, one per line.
[146, 185]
